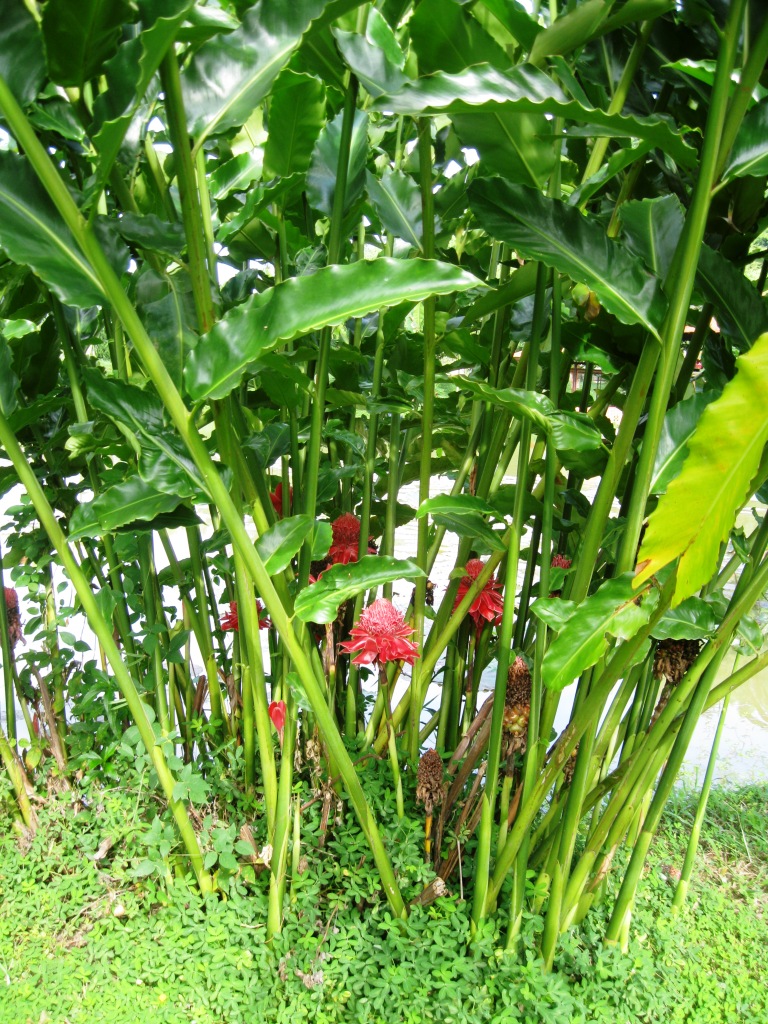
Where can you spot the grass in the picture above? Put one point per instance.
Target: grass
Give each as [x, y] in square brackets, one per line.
[92, 934]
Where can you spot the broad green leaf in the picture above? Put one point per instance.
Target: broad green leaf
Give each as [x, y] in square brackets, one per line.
[370, 63]
[569, 431]
[118, 506]
[397, 199]
[583, 639]
[615, 163]
[573, 29]
[166, 306]
[472, 525]
[555, 611]
[282, 540]
[296, 115]
[554, 233]
[237, 174]
[696, 514]
[129, 74]
[166, 476]
[22, 64]
[679, 423]
[303, 304]
[79, 37]
[381, 34]
[319, 602]
[518, 146]
[12, 329]
[458, 504]
[652, 228]
[323, 169]
[522, 282]
[322, 539]
[149, 232]
[34, 235]
[526, 89]
[231, 74]
[9, 382]
[693, 619]
[270, 443]
[447, 38]
[749, 154]
[740, 311]
[515, 19]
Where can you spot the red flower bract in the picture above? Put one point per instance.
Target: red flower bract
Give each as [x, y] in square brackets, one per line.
[381, 635]
[231, 619]
[488, 604]
[560, 562]
[276, 497]
[346, 540]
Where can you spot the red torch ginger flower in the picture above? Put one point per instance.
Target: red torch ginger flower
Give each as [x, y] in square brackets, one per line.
[12, 614]
[488, 604]
[560, 562]
[346, 540]
[231, 619]
[381, 635]
[276, 497]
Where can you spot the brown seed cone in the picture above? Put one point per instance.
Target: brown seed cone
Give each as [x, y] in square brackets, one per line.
[429, 780]
[569, 767]
[517, 711]
[673, 658]
[12, 614]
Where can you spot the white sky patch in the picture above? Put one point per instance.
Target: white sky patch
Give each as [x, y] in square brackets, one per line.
[452, 169]
[471, 156]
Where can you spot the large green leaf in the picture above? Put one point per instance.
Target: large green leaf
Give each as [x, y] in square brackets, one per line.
[741, 311]
[237, 174]
[129, 74]
[370, 61]
[471, 525]
[575, 28]
[167, 308]
[696, 514]
[583, 639]
[525, 89]
[80, 36]
[749, 154]
[447, 38]
[281, 541]
[303, 304]
[570, 431]
[556, 234]
[296, 115]
[22, 64]
[34, 235]
[693, 619]
[323, 170]
[515, 19]
[518, 146]
[679, 423]
[397, 199]
[120, 505]
[652, 228]
[459, 504]
[320, 601]
[9, 382]
[231, 74]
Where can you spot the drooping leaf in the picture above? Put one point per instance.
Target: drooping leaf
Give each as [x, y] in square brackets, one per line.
[167, 308]
[458, 504]
[749, 154]
[741, 312]
[79, 37]
[652, 228]
[397, 199]
[569, 431]
[22, 64]
[320, 601]
[128, 75]
[370, 62]
[575, 28]
[34, 235]
[693, 619]
[237, 174]
[322, 537]
[323, 170]
[447, 38]
[526, 89]
[282, 540]
[118, 506]
[517, 145]
[327, 297]
[470, 524]
[270, 443]
[149, 232]
[679, 423]
[696, 514]
[551, 231]
[515, 19]
[296, 115]
[583, 638]
[231, 74]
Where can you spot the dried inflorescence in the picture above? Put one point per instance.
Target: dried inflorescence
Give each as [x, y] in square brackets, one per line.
[429, 780]
[672, 660]
[517, 710]
[12, 614]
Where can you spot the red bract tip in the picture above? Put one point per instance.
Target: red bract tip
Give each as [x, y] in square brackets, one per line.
[488, 605]
[381, 635]
[276, 497]
[231, 619]
[277, 713]
[560, 562]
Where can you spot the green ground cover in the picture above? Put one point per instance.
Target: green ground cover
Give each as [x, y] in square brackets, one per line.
[95, 934]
